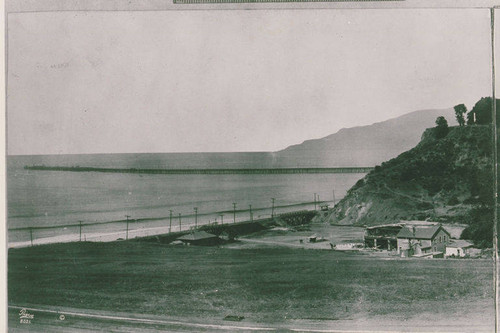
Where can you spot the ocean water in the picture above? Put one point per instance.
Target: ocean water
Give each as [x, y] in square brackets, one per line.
[55, 198]
[156, 160]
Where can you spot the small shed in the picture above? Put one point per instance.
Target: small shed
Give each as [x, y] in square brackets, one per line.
[316, 239]
[382, 236]
[200, 238]
[458, 248]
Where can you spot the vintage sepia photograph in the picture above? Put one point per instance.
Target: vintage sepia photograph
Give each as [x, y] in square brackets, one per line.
[307, 167]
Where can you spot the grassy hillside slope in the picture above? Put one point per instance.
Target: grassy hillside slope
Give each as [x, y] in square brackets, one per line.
[447, 179]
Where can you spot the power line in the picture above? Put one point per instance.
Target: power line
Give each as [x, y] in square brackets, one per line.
[272, 207]
[234, 212]
[196, 217]
[127, 216]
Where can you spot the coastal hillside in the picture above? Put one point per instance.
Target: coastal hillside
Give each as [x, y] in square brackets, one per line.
[447, 177]
[364, 145]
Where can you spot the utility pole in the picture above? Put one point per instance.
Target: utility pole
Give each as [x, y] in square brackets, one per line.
[180, 222]
[31, 236]
[196, 217]
[234, 212]
[127, 216]
[272, 207]
[170, 226]
[314, 201]
[251, 214]
[334, 203]
[495, 169]
[221, 218]
[80, 222]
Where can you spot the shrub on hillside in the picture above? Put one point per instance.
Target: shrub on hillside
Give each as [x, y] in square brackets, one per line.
[441, 127]
[481, 113]
[480, 229]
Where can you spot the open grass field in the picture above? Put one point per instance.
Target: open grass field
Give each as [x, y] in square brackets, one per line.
[265, 285]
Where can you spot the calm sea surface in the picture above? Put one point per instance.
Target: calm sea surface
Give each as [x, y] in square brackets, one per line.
[55, 198]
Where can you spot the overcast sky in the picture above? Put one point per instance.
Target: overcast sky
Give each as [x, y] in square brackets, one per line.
[192, 81]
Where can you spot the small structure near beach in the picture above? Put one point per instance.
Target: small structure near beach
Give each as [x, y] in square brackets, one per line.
[316, 239]
[382, 236]
[458, 248]
[200, 238]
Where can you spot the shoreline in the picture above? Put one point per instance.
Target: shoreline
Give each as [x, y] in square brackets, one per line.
[125, 231]
[163, 218]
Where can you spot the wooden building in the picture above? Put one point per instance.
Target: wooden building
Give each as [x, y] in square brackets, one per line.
[200, 238]
[458, 248]
[422, 240]
[382, 236]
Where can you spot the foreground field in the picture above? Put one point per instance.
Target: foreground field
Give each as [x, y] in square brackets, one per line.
[279, 286]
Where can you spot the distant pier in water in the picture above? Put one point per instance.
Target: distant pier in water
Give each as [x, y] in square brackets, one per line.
[238, 171]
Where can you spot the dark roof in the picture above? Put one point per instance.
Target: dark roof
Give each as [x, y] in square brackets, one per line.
[421, 232]
[460, 243]
[197, 235]
[394, 225]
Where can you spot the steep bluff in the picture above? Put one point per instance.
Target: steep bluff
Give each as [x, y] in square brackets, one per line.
[447, 179]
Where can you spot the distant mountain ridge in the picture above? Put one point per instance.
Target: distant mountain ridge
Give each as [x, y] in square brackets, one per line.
[361, 146]
[364, 145]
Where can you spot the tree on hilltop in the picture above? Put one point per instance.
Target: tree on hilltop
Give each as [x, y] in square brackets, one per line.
[441, 127]
[460, 111]
[481, 113]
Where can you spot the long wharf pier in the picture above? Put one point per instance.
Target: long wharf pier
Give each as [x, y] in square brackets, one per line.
[204, 171]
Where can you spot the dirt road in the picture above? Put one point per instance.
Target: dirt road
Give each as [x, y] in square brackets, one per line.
[52, 319]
